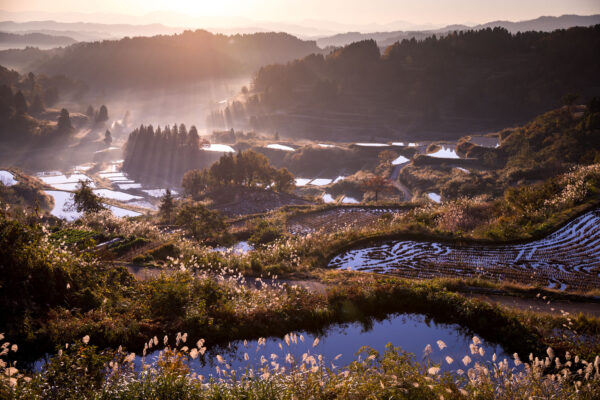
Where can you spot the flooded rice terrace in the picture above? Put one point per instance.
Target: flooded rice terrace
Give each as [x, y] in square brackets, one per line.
[339, 344]
[132, 198]
[568, 258]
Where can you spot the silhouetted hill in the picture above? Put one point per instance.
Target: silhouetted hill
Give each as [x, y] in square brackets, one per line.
[384, 39]
[12, 40]
[435, 88]
[164, 60]
[544, 24]
[100, 31]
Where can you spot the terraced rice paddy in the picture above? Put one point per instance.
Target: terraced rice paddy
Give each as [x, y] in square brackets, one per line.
[568, 259]
[336, 218]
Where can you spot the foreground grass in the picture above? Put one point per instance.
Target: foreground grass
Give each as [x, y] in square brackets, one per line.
[81, 372]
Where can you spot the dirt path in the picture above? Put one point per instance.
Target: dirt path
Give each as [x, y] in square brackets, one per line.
[539, 305]
[399, 185]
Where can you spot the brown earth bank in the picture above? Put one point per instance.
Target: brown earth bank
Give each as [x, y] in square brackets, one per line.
[234, 201]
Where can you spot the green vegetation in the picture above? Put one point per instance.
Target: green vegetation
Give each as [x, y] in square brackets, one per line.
[393, 374]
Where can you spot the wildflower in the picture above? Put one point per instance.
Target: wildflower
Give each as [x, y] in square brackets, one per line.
[466, 360]
[427, 351]
[194, 353]
[441, 344]
[433, 370]
[481, 351]
[86, 339]
[14, 348]
[220, 359]
[449, 360]
[315, 342]
[550, 352]
[246, 357]
[476, 340]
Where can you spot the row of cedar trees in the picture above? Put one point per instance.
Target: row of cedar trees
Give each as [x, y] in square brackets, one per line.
[166, 154]
[163, 155]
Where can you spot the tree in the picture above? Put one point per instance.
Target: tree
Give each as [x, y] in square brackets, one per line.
[90, 112]
[64, 122]
[199, 221]
[20, 103]
[38, 105]
[167, 206]
[284, 180]
[107, 138]
[195, 182]
[385, 161]
[569, 100]
[377, 184]
[102, 114]
[51, 96]
[85, 200]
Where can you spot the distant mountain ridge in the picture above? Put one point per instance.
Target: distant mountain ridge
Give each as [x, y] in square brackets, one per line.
[384, 39]
[11, 40]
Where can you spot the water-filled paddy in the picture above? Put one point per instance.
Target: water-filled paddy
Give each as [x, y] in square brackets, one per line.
[223, 148]
[435, 197]
[114, 195]
[7, 178]
[280, 147]
[444, 152]
[567, 258]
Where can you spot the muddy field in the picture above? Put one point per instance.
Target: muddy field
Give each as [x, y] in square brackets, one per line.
[568, 259]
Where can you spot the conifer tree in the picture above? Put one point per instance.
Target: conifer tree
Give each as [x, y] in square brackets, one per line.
[167, 206]
[64, 122]
[20, 103]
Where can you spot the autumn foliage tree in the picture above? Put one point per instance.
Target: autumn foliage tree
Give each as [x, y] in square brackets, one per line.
[377, 184]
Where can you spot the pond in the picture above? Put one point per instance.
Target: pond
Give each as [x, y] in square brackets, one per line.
[340, 343]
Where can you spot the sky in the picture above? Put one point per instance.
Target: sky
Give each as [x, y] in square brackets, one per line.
[357, 12]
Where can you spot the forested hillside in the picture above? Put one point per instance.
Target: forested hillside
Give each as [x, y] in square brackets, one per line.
[163, 60]
[475, 80]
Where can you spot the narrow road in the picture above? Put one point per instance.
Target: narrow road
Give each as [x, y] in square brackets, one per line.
[399, 185]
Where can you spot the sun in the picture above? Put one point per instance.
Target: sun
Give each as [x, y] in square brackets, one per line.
[200, 7]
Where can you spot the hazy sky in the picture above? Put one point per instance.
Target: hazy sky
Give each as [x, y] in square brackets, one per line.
[342, 11]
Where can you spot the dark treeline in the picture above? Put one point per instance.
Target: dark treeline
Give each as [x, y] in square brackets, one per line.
[24, 120]
[163, 155]
[475, 79]
[247, 168]
[164, 59]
